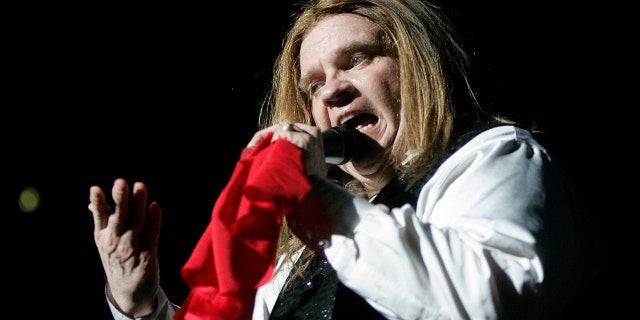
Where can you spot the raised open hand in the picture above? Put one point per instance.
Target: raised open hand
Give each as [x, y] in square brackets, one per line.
[126, 237]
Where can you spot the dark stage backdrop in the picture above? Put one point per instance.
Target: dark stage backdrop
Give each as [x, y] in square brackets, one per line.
[169, 95]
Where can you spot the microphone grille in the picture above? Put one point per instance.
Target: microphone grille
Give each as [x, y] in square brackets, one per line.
[342, 144]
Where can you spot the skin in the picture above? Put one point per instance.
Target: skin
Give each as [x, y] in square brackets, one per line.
[344, 73]
[127, 240]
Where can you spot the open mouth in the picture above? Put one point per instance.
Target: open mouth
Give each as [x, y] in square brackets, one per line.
[361, 121]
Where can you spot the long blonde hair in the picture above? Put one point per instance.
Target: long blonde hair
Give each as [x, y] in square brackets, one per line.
[431, 63]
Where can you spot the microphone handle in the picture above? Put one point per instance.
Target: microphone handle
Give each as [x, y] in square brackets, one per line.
[342, 144]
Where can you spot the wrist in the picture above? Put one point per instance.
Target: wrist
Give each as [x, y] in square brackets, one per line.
[129, 306]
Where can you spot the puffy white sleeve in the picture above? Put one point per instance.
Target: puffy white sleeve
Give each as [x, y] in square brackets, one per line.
[496, 232]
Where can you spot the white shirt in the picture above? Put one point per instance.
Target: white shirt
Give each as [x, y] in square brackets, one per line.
[497, 228]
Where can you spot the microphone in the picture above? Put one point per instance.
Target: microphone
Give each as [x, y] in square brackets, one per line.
[342, 144]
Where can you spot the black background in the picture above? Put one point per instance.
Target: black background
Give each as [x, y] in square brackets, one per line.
[169, 95]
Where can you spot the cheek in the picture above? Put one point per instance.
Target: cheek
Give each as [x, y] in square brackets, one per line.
[393, 93]
[320, 116]
[385, 84]
[389, 93]
[393, 84]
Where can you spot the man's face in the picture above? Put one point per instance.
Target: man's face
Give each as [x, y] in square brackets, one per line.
[349, 79]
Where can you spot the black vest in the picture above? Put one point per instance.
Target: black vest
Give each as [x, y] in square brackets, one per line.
[318, 294]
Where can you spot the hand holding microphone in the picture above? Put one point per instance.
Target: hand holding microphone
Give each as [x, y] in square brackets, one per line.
[341, 144]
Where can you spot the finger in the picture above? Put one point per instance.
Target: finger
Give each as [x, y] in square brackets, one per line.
[151, 229]
[98, 207]
[300, 135]
[309, 129]
[289, 126]
[120, 194]
[139, 205]
[258, 136]
[284, 130]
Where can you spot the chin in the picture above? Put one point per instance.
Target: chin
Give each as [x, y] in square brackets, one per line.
[366, 166]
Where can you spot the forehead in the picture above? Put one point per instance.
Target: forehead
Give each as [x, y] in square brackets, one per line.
[336, 33]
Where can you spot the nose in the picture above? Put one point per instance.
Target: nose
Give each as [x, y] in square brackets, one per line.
[337, 91]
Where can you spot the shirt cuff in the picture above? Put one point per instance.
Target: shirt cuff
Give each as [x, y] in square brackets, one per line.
[164, 311]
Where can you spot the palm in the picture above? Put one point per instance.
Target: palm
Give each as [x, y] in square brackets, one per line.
[127, 243]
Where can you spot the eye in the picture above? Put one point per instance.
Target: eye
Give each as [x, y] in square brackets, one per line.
[314, 87]
[358, 60]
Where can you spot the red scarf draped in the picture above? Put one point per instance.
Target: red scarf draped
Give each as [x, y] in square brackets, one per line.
[236, 253]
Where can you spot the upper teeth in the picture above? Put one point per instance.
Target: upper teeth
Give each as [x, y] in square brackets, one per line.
[346, 118]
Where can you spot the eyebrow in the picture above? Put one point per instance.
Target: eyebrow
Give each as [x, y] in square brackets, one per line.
[373, 46]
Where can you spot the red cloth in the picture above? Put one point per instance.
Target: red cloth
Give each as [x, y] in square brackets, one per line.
[236, 253]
